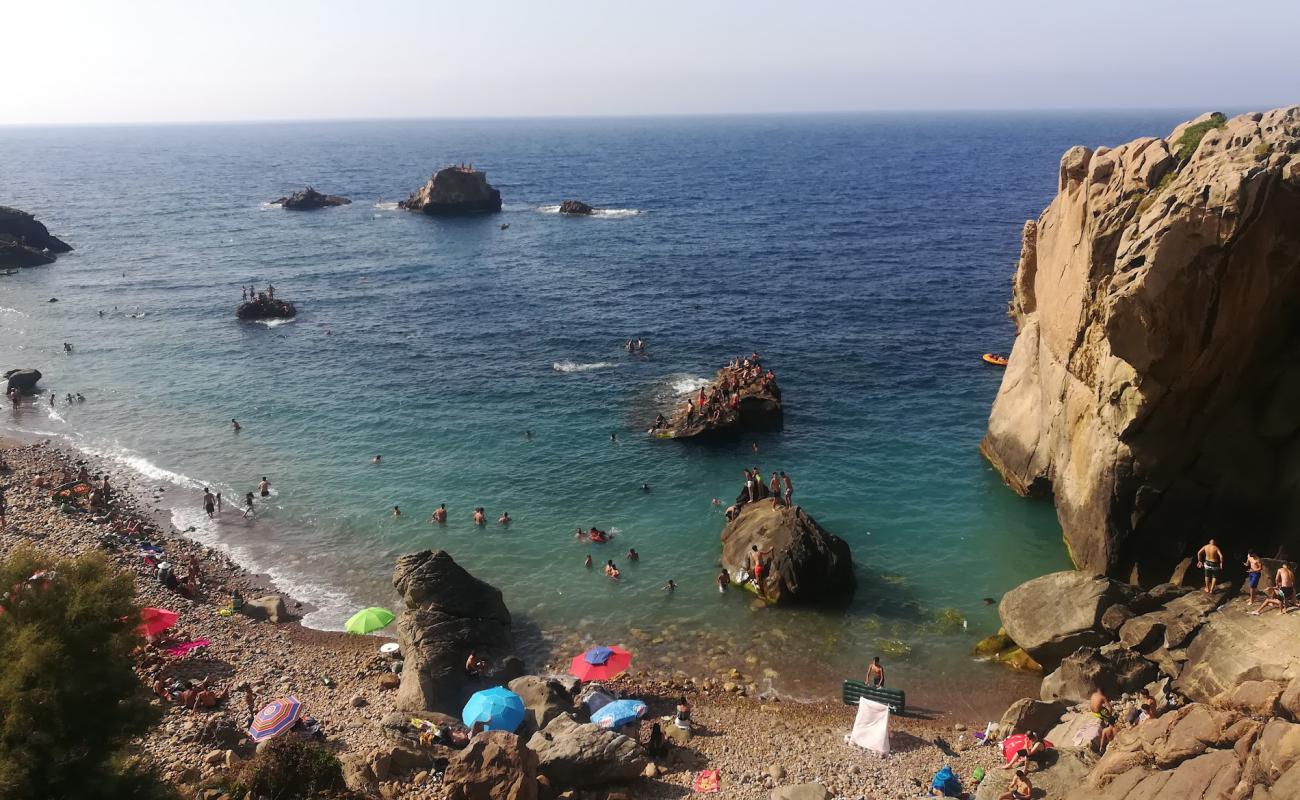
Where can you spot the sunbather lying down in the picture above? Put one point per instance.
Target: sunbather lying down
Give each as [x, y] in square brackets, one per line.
[188, 694]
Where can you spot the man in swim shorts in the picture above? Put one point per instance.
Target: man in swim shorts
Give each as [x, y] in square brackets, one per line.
[1254, 567]
[264, 488]
[1210, 559]
[209, 503]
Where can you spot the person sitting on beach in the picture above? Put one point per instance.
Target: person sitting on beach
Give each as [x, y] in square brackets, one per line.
[1019, 789]
[480, 518]
[875, 673]
[440, 513]
[656, 745]
[1281, 595]
[474, 666]
[504, 519]
[83, 474]
[201, 695]
[682, 717]
[1210, 559]
[611, 571]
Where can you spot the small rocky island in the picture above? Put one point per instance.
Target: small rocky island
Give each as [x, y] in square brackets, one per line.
[309, 199]
[801, 561]
[742, 397]
[453, 191]
[576, 208]
[264, 305]
[25, 242]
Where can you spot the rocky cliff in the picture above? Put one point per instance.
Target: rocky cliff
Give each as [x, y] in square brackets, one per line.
[1154, 387]
[25, 242]
[452, 191]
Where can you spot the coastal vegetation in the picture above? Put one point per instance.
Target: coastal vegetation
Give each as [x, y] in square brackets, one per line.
[69, 702]
[288, 768]
[1191, 138]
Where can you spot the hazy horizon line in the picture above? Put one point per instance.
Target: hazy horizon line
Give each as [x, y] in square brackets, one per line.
[647, 116]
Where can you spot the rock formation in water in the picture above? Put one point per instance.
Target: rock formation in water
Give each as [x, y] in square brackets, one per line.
[309, 199]
[576, 207]
[803, 562]
[25, 242]
[742, 398]
[449, 614]
[263, 307]
[455, 190]
[24, 380]
[1154, 387]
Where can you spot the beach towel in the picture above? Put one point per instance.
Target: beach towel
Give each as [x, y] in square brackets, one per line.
[184, 648]
[708, 781]
[871, 727]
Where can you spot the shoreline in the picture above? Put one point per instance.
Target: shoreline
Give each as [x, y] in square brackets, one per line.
[337, 676]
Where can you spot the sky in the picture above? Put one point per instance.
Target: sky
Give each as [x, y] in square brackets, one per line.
[136, 61]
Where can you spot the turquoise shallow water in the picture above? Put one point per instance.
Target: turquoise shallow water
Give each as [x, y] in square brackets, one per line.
[867, 258]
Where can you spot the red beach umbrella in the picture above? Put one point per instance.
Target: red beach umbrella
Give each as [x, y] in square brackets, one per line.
[600, 663]
[154, 621]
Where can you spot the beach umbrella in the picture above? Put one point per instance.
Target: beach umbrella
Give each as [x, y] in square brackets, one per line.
[154, 621]
[368, 620]
[499, 708]
[275, 718]
[600, 663]
[619, 713]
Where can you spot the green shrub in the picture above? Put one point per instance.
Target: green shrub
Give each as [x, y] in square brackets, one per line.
[289, 768]
[69, 703]
[1191, 138]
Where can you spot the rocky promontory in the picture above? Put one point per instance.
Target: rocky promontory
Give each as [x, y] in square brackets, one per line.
[309, 199]
[455, 190]
[742, 397]
[802, 561]
[25, 242]
[1153, 391]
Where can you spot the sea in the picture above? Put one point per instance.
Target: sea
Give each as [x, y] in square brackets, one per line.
[867, 258]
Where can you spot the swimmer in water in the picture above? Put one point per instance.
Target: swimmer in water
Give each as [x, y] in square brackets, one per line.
[587, 562]
[633, 555]
[440, 513]
[479, 517]
[248, 504]
[528, 434]
[613, 437]
[670, 586]
[723, 580]
[264, 488]
[234, 423]
[397, 512]
[611, 571]
[375, 460]
[505, 518]
[645, 487]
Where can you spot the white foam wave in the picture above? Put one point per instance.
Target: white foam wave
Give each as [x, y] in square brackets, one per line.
[687, 384]
[12, 311]
[143, 466]
[54, 414]
[386, 206]
[599, 212]
[273, 323]
[569, 366]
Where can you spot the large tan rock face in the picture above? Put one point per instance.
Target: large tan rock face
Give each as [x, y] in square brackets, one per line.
[1154, 387]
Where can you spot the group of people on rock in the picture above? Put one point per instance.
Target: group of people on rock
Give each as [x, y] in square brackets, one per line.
[251, 293]
[715, 401]
[1281, 595]
[779, 489]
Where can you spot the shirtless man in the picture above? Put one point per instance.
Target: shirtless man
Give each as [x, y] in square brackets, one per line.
[1019, 789]
[789, 488]
[611, 571]
[209, 503]
[756, 559]
[440, 513]
[1285, 581]
[397, 512]
[1210, 559]
[1101, 707]
[1254, 568]
[723, 580]
[264, 488]
[234, 423]
[479, 517]
[504, 519]
[875, 673]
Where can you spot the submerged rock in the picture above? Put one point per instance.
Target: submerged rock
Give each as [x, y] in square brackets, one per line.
[449, 614]
[1154, 388]
[263, 307]
[309, 199]
[25, 242]
[452, 191]
[804, 561]
[24, 380]
[575, 207]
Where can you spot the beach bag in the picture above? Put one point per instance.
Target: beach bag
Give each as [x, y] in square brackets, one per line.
[946, 781]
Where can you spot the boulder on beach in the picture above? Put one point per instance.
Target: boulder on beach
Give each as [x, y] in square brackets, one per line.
[576, 207]
[544, 700]
[1112, 671]
[309, 199]
[573, 754]
[1053, 615]
[453, 191]
[263, 307]
[495, 765]
[24, 380]
[1153, 386]
[740, 399]
[803, 561]
[25, 242]
[449, 614]
[270, 608]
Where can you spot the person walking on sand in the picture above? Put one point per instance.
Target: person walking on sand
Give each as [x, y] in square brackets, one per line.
[875, 673]
[1210, 559]
[1254, 568]
[440, 513]
[264, 488]
[209, 503]
[248, 504]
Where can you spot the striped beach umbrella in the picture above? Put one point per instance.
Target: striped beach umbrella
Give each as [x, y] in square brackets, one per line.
[276, 718]
[600, 663]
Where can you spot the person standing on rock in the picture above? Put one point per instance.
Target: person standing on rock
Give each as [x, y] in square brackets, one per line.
[1254, 568]
[1285, 581]
[789, 489]
[775, 487]
[756, 559]
[1210, 559]
[875, 673]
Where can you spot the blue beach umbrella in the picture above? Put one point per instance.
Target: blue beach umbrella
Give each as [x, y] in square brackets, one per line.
[619, 713]
[498, 707]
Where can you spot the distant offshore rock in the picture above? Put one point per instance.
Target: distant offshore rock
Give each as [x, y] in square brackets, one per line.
[576, 207]
[25, 242]
[742, 397]
[804, 562]
[454, 191]
[263, 307]
[309, 199]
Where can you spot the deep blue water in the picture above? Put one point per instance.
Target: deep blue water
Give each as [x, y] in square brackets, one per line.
[867, 258]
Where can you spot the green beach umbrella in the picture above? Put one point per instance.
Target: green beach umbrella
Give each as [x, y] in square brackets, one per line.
[369, 620]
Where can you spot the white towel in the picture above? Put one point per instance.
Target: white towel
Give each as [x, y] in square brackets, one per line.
[871, 728]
